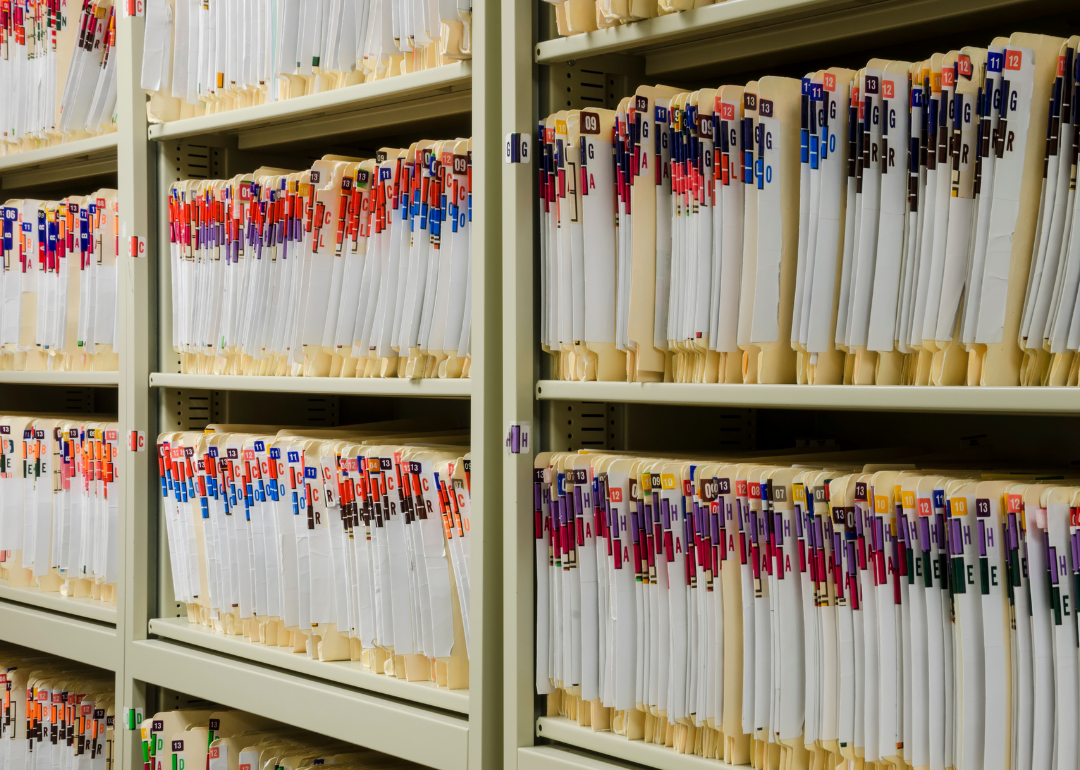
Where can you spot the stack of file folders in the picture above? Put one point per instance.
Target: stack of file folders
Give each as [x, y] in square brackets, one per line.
[58, 284]
[229, 740]
[575, 16]
[205, 57]
[906, 223]
[353, 268]
[59, 67]
[346, 543]
[810, 610]
[56, 713]
[59, 505]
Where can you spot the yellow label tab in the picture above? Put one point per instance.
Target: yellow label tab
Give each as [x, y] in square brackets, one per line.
[881, 504]
[667, 480]
[958, 506]
[560, 127]
[907, 499]
[798, 492]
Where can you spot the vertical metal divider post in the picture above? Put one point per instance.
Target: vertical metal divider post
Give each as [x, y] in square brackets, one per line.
[486, 653]
[137, 292]
[520, 368]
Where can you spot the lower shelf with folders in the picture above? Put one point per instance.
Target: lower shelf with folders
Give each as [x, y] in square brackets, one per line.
[344, 672]
[428, 736]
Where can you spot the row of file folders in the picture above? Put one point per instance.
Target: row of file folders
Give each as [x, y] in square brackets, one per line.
[906, 223]
[194, 739]
[58, 284]
[59, 512]
[352, 268]
[346, 543]
[793, 609]
[60, 72]
[56, 713]
[210, 56]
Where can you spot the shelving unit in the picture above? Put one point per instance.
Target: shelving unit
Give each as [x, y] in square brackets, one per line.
[82, 630]
[728, 42]
[520, 71]
[163, 652]
[155, 654]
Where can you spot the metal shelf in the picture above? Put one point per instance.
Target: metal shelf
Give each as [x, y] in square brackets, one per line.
[552, 758]
[434, 738]
[838, 397]
[93, 147]
[344, 386]
[563, 730]
[91, 379]
[83, 608]
[341, 672]
[735, 35]
[56, 634]
[418, 97]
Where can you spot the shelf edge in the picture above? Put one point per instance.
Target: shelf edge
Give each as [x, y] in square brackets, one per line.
[180, 630]
[383, 724]
[63, 635]
[835, 397]
[248, 118]
[390, 386]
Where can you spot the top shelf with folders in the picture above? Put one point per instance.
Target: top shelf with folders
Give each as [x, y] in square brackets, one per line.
[740, 35]
[368, 109]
